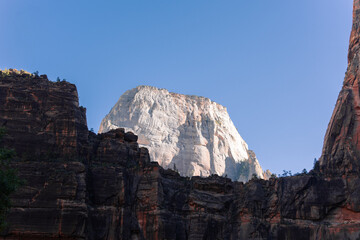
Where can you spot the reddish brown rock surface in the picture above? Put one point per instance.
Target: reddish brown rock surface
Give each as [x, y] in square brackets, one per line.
[340, 155]
[105, 187]
[42, 118]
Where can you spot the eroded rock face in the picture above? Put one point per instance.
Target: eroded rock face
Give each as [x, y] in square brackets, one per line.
[115, 192]
[52, 203]
[193, 134]
[340, 155]
[72, 201]
[42, 118]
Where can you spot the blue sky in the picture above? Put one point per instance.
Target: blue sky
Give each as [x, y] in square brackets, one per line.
[277, 66]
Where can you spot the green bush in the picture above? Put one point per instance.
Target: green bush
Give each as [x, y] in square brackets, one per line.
[36, 73]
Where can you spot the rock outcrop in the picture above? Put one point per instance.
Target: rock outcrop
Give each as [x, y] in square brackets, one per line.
[105, 187]
[192, 134]
[340, 155]
[43, 119]
[77, 183]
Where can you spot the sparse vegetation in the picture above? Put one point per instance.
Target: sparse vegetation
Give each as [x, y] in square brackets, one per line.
[36, 73]
[273, 176]
[286, 173]
[316, 168]
[316, 162]
[5, 72]
[10, 71]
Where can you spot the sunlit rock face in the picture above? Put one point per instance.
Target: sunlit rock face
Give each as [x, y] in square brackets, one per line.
[341, 150]
[189, 133]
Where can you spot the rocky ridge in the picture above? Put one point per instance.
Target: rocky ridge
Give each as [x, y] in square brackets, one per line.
[191, 133]
[107, 188]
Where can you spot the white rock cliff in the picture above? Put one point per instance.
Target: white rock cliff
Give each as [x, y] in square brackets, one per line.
[192, 134]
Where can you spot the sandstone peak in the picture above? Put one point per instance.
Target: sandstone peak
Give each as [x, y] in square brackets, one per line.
[164, 90]
[189, 133]
[119, 194]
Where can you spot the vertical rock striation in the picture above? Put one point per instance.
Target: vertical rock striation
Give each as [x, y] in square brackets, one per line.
[192, 133]
[115, 192]
[340, 154]
[42, 118]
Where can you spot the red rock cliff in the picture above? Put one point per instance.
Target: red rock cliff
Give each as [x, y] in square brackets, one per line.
[104, 186]
[341, 151]
[42, 118]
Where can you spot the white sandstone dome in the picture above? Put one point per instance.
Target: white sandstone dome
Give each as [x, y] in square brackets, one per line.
[193, 134]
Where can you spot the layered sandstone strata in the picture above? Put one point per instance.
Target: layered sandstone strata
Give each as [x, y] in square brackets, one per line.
[115, 192]
[42, 118]
[190, 133]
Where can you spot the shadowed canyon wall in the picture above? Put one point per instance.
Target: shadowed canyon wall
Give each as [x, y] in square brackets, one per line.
[104, 186]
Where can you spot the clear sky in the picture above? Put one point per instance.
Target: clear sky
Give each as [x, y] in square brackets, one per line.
[277, 66]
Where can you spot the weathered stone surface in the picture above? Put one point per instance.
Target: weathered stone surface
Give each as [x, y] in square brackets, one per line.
[152, 203]
[192, 133]
[43, 119]
[52, 202]
[117, 193]
[340, 155]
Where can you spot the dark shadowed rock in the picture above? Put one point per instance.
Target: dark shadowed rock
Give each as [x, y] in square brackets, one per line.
[131, 137]
[43, 119]
[105, 187]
